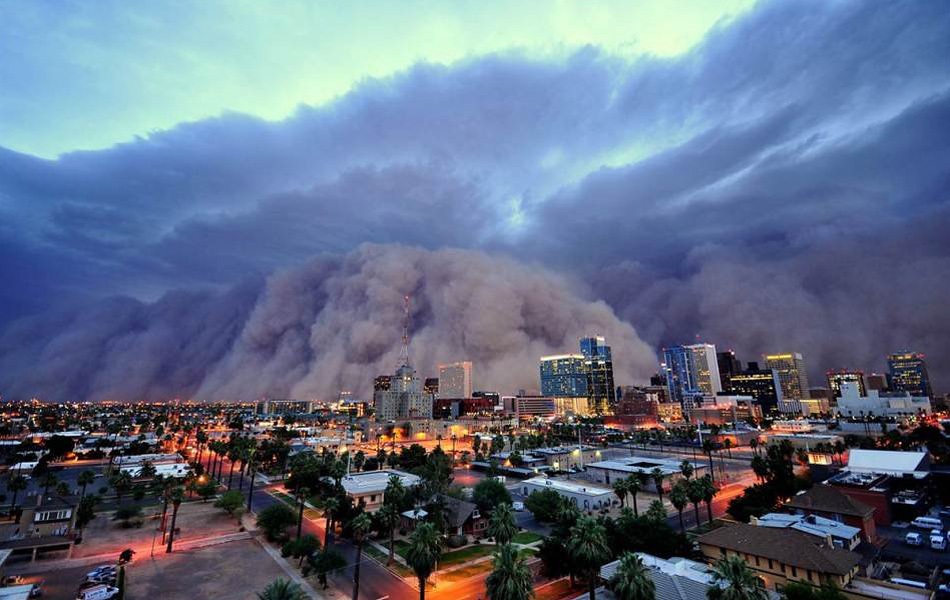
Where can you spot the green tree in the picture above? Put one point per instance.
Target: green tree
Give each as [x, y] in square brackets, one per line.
[85, 512]
[544, 504]
[147, 470]
[275, 519]
[634, 485]
[510, 578]
[322, 563]
[388, 517]
[489, 493]
[176, 496]
[733, 580]
[656, 513]
[423, 553]
[85, 478]
[620, 488]
[232, 502]
[658, 477]
[587, 547]
[502, 524]
[359, 528]
[330, 505]
[709, 492]
[128, 514]
[281, 589]
[631, 580]
[49, 480]
[687, 469]
[121, 482]
[16, 484]
[679, 496]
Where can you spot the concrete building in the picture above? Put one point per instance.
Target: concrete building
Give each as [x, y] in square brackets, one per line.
[43, 530]
[404, 399]
[584, 496]
[369, 486]
[790, 368]
[564, 458]
[840, 535]
[279, 406]
[691, 371]
[908, 371]
[526, 408]
[852, 403]
[831, 503]
[455, 380]
[761, 384]
[607, 472]
[838, 377]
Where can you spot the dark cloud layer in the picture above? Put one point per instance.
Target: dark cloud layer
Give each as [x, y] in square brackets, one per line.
[782, 186]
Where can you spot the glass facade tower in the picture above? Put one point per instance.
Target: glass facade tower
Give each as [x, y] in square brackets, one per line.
[599, 367]
[909, 374]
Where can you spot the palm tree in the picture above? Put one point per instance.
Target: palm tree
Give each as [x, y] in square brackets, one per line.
[388, 516]
[502, 525]
[708, 448]
[84, 479]
[620, 488]
[49, 481]
[733, 580]
[680, 498]
[588, 549]
[234, 453]
[634, 485]
[694, 490]
[423, 553]
[330, 505]
[301, 494]
[282, 589]
[709, 492]
[510, 578]
[360, 526]
[686, 468]
[252, 468]
[658, 477]
[176, 496]
[754, 444]
[631, 580]
[16, 484]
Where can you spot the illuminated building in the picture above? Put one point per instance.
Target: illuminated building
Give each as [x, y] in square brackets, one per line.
[908, 372]
[852, 403]
[381, 383]
[455, 380]
[840, 376]
[728, 366]
[431, 386]
[691, 371]
[877, 381]
[404, 398]
[790, 368]
[599, 368]
[761, 384]
[563, 376]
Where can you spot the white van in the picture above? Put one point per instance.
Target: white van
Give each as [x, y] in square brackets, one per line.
[913, 539]
[99, 592]
[938, 542]
[927, 523]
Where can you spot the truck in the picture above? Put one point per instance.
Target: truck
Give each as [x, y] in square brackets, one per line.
[98, 592]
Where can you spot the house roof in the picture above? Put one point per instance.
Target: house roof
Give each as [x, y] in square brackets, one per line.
[826, 498]
[886, 461]
[784, 545]
[457, 511]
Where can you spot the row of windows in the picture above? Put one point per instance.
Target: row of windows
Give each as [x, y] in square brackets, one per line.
[52, 515]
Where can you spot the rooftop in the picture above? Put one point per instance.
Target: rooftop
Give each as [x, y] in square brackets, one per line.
[890, 462]
[810, 524]
[571, 487]
[642, 464]
[825, 498]
[373, 481]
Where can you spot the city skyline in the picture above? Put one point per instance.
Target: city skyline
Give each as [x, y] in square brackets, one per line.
[222, 201]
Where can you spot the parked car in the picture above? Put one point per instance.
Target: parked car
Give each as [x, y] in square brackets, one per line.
[913, 539]
[11, 580]
[102, 570]
[927, 523]
[517, 505]
[99, 592]
[938, 542]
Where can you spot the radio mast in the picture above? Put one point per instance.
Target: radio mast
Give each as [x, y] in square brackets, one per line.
[405, 331]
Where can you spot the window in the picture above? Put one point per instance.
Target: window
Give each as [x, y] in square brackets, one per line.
[770, 564]
[372, 498]
[722, 551]
[794, 572]
[757, 561]
[52, 515]
[811, 576]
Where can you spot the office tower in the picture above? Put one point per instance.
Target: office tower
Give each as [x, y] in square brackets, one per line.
[658, 379]
[877, 382]
[692, 372]
[728, 365]
[382, 383]
[431, 386]
[599, 368]
[705, 368]
[839, 376]
[455, 380]
[404, 399]
[908, 372]
[790, 368]
[563, 376]
[761, 384]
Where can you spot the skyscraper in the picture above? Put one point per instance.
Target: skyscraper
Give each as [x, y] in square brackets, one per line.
[909, 374]
[404, 399]
[761, 384]
[728, 365]
[563, 376]
[691, 371]
[455, 380]
[838, 376]
[599, 368]
[790, 368]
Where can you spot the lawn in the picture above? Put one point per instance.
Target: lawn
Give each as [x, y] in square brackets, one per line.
[465, 572]
[526, 537]
[465, 554]
[382, 557]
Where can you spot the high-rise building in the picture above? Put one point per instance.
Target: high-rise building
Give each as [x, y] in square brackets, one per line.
[728, 366]
[563, 376]
[838, 376]
[382, 383]
[908, 372]
[790, 368]
[761, 384]
[431, 386]
[877, 382]
[599, 368]
[692, 372]
[404, 399]
[455, 380]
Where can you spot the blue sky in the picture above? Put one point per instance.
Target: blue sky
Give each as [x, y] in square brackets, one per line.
[204, 198]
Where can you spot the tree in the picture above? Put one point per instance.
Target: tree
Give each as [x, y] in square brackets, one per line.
[281, 589]
[489, 493]
[631, 580]
[800, 590]
[634, 485]
[16, 484]
[658, 477]
[587, 547]
[510, 578]
[207, 490]
[59, 446]
[176, 497]
[232, 502]
[359, 528]
[330, 504]
[733, 580]
[423, 553]
[708, 449]
[129, 515]
[388, 517]
[620, 488]
[49, 480]
[324, 562]
[709, 492]
[656, 513]
[275, 519]
[544, 504]
[121, 483]
[85, 512]
[85, 478]
[147, 470]
[302, 547]
[687, 469]
[680, 498]
[502, 524]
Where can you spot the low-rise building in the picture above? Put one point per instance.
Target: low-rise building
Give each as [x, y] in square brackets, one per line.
[564, 458]
[369, 487]
[831, 503]
[609, 471]
[44, 530]
[853, 403]
[582, 495]
[841, 535]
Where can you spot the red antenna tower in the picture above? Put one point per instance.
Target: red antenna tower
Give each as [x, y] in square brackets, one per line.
[405, 331]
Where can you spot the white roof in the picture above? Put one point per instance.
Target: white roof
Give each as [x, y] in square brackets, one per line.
[644, 464]
[375, 481]
[812, 525]
[568, 487]
[16, 592]
[885, 461]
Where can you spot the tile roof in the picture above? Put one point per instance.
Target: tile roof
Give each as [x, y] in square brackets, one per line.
[790, 547]
[826, 498]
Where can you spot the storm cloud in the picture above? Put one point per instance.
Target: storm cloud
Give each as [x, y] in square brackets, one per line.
[784, 185]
